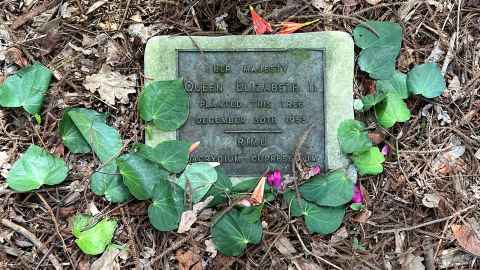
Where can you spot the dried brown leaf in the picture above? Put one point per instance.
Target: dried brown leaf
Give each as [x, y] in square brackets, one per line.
[285, 247]
[187, 260]
[190, 216]
[467, 238]
[111, 85]
[376, 137]
[16, 56]
[108, 260]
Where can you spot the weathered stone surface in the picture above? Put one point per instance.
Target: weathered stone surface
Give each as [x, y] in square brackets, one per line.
[168, 58]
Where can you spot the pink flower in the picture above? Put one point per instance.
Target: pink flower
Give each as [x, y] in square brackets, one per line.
[357, 193]
[274, 179]
[385, 150]
[315, 170]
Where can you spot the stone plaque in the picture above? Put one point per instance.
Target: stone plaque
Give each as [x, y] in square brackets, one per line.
[252, 97]
[249, 108]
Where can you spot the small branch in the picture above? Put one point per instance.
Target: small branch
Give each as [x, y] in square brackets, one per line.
[30, 236]
[427, 223]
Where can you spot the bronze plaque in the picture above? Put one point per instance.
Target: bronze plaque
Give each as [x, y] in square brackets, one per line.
[249, 108]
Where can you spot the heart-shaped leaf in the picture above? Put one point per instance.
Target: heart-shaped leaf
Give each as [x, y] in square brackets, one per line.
[165, 103]
[26, 88]
[397, 84]
[393, 109]
[333, 189]
[72, 137]
[93, 240]
[35, 168]
[172, 155]
[220, 189]
[167, 207]
[252, 214]
[108, 182]
[201, 176]
[379, 61]
[140, 175]
[232, 233]
[369, 162]
[103, 139]
[387, 33]
[353, 137]
[369, 101]
[319, 219]
[426, 80]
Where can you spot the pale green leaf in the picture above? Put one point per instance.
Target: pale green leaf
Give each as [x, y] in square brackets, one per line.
[94, 240]
[26, 88]
[426, 80]
[369, 101]
[369, 162]
[392, 110]
[387, 33]
[379, 61]
[201, 176]
[397, 84]
[353, 137]
[165, 103]
[35, 168]
[72, 137]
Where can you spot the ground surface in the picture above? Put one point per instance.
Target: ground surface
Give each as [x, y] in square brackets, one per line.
[77, 37]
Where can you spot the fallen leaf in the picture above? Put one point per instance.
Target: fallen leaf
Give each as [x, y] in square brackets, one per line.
[411, 262]
[467, 238]
[210, 248]
[187, 260]
[108, 260]
[431, 200]
[257, 195]
[477, 154]
[303, 264]
[96, 5]
[374, 2]
[362, 217]
[376, 137]
[442, 115]
[285, 247]
[111, 85]
[260, 25]
[339, 235]
[220, 22]
[290, 27]
[16, 56]
[189, 217]
[116, 54]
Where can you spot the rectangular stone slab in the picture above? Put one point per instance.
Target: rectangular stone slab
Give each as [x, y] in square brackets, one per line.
[236, 108]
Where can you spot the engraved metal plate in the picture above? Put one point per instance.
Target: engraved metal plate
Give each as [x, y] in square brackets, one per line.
[249, 108]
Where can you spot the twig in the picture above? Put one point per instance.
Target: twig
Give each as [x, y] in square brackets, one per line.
[131, 241]
[173, 247]
[21, 20]
[54, 219]
[427, 223]
[30, 236]
[307, 251]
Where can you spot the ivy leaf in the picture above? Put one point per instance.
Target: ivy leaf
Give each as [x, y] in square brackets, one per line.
[94, 240]
[369, 162]
[35, 168]
[232, 233]
[167, 207]
[220, 189]
[108, 182]
[172, 155]
[165, 103]
[353, 137]
[140, 175]
[426, 80]
[393, 109]
[72, 137]
[333, 189]
[26, 88]
[201, 176]
[378, 61]
[388, 34]
[103, 139]
[369, 101]
[319, 219]
[396, 84]
[80, 222]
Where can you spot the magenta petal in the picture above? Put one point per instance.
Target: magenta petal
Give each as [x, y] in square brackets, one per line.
[277, 179]
[385, 150]
[357, 194]
[314, 170]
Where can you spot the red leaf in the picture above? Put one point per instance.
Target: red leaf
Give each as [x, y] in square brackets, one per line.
[290, 27]
[260, 25]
